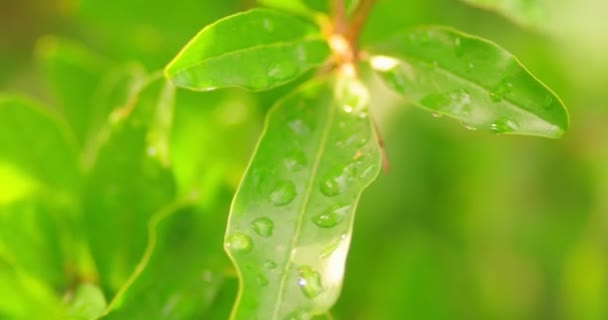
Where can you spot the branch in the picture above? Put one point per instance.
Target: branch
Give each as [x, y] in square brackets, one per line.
[339, 16]
[357, 20]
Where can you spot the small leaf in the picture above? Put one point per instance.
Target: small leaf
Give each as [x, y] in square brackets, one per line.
[316, 155]
[256, 50]
[469, 79]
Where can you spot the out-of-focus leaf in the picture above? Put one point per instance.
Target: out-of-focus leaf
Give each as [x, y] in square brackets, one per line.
[73, 74]
[184, 239]
[87, 303]
[23, 297]
[199, 160]
[137, 30]
[256, 50]
[35, 141]
[127, 182]
[291, 219]
[534, 13]
[468, 79]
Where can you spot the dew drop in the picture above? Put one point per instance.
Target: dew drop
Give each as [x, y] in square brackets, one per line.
[299, 126]
[504, 125]
[347, 108]
[263, 226]
[283, 194]
[270, 264]
[262, 280]
[295, 161]
[468, 126]
[332, 216]
[437, 115]
[499, 93]
[239, 242]
[309, 281]
[337, 180]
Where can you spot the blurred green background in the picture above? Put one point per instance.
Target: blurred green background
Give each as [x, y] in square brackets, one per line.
[467, 225]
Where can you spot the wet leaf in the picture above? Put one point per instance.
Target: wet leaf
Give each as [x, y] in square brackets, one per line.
[468, 79]
[256, 50]
[291, 220]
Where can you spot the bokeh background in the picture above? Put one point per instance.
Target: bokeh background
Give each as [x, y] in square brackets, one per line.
[467, 225]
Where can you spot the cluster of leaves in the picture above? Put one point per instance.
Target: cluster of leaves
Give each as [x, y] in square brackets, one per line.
[120, 219]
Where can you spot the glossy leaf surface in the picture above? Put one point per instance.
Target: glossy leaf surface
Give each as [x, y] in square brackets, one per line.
[291, 219]
[468, 79]
[256, 50]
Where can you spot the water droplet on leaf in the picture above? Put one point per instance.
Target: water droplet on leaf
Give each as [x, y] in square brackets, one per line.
[239, 242]
[504, 125]
[332, 216]
[262, 280]
[263, 226]
[283, 194]
[309, 281]
[269, 264]
[295, 161]
[499, 93]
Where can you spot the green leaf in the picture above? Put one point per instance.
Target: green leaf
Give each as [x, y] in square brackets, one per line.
[87, 303]
[24, 297]
[534, 13]
[468, 79]
[291, 220]
[128, 182]
[180, 238]
[256, 50]
[73, 74]
[36, 145]
[230, 114]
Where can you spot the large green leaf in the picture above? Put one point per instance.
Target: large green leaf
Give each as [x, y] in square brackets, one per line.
[291, 219]
[469, 79]
[256, 50]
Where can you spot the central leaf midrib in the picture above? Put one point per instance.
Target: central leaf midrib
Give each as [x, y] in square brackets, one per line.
[307, 38]
[307, 195]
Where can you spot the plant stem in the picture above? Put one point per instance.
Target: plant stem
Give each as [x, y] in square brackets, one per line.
[339, 16]
[357, 21]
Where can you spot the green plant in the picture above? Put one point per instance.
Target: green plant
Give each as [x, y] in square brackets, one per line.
[291, 219]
